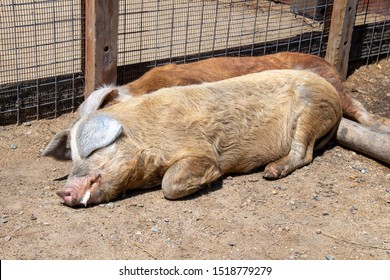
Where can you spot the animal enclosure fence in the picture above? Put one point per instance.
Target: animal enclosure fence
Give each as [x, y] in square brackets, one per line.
[185, 31]
[41, 58]
[46, 64]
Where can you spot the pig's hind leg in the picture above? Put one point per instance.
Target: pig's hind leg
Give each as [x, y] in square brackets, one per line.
[299, 155]
[308, 131]
[188, 175]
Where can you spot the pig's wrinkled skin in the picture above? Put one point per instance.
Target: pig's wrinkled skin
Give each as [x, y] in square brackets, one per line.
[185, 137]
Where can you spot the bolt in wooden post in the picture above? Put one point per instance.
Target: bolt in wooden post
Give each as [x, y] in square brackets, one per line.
[101, 43]
[340, 34]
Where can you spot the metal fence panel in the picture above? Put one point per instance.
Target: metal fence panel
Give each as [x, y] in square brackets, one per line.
[41, 58]
[152, 33]
[371, 38]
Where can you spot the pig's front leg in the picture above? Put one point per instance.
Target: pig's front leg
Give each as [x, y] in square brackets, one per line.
[188, 175]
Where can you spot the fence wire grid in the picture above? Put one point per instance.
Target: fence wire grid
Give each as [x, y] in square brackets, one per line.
[152, 33]
[41, 71]
[42, 54]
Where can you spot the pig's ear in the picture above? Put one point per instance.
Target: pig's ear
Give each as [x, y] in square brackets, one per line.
[98, 99]
[97, 132]
[59, 146]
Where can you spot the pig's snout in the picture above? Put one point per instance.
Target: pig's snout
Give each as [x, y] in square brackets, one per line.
[69, 196]
[81, 191]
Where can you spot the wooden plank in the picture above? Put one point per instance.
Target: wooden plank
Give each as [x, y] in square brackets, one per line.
[340, 34]
[101, 43]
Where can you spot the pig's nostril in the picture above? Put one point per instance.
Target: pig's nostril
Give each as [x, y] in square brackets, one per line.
[63, 193]
[69, 197]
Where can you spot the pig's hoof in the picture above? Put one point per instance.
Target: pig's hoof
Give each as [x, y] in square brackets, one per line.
[275, 171]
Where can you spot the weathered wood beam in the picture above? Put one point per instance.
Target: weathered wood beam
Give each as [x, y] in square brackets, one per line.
[340, 34]
[101, 43]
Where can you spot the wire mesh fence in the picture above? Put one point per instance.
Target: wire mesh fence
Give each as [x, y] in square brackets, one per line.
[41, 58]
[371, 38]
[152, 33]
[42, 54]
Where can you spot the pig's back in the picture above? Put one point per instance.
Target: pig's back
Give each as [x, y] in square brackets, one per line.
[247, 120]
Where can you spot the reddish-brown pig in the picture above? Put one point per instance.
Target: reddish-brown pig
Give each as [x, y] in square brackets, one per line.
[215, 69]
[187, 136]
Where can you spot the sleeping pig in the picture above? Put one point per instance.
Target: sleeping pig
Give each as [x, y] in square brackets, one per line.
[187, 136]
[220, 68]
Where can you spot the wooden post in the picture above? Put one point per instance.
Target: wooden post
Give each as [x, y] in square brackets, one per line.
[340, 34]
[101, 43]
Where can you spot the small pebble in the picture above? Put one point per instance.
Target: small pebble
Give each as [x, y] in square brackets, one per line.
[110, 205]
[13, 146]
[7, 238]
[325, 213]
[360, 180]
[32, 217]
[318, 231]
[280, 187]
[360, 168]
[155, 229]
[231, 244]
[353, 209]
[329, 257]
[353, 177]
[27, 124]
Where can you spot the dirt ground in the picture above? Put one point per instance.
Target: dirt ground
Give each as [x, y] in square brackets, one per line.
[338, 207]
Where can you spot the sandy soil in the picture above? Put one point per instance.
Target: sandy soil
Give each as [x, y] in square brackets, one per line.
[338, 207]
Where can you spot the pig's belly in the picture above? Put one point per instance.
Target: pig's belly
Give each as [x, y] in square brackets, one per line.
[244, 156]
